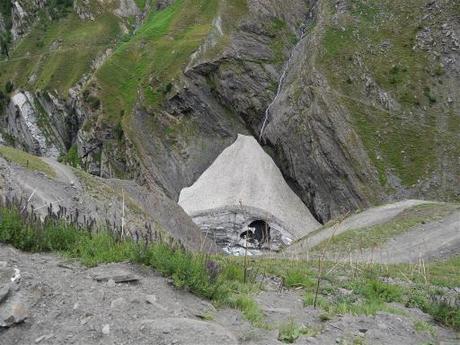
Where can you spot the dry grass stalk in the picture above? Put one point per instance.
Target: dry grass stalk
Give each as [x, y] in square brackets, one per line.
[321, 258]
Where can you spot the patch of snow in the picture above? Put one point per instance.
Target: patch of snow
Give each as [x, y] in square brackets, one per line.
[242, 185]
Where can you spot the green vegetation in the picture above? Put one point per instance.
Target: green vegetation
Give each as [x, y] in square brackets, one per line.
[282, 38]
[26, 160]
[72, 158]
[367, 294]
[214, 278]
[57, 53]
[5, 38]
[375, 42]
[153, 57]
[360, 289]
[59, 8]
[289, 332]
[140, 3]
[423, 326]
[377, 235]
[445, 273]
[9, 86]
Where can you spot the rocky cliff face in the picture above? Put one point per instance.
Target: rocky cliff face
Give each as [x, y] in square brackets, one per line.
[356, 101]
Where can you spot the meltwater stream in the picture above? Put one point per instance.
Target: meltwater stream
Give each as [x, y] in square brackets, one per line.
[280, 85]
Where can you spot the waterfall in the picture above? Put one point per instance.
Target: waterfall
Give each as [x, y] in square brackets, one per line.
[280, 85]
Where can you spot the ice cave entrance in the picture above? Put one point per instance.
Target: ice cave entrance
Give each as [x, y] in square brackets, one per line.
[262, 230]
[242, 200]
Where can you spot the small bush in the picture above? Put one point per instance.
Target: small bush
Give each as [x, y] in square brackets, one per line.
[118, 131]
[94, 102]
[289, 332]
[9, 86]
[377, 290]
[298, 278]
[72, 158]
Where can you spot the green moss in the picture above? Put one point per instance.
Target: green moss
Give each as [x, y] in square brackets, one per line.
[26, 160]
[140, 3]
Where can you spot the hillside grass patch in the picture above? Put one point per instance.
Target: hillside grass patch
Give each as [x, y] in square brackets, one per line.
[57, 53]
[153, 57]
[377, 235]
[376, 39]
[26, 160]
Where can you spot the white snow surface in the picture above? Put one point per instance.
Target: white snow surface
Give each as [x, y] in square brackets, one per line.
[244, 176]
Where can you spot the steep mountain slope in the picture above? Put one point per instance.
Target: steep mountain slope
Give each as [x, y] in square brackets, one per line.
[371, 102]
[48, 188]
[362, 95]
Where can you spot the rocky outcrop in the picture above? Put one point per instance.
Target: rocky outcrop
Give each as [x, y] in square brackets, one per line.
[242, 186]
[23, 16]
[261, 71]
[127, 8]
[224, 91]
[320, 160]
[27, 125]
[313, 143]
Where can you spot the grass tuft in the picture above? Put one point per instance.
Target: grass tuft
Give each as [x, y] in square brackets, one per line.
[26, 160]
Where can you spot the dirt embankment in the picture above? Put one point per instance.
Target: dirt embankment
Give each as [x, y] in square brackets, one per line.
[56, 301]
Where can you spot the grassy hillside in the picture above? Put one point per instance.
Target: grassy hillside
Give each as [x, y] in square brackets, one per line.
[374, 41]
[149, 61]
[58, 52]
[26, 160]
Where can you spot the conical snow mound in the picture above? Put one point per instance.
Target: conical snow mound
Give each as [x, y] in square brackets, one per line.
[241, 186]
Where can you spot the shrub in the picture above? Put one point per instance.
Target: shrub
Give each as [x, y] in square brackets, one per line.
[377, 290]
[118, 131]
[9, 86]
[289, 332]
[298, 277]
[72, 158]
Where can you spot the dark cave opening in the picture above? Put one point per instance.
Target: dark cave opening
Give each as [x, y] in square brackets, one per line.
[261, 231]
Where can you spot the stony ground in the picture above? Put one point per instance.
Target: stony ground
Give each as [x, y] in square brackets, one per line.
[56, 301]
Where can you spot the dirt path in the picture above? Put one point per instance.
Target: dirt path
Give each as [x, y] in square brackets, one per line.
[64, 172]
[370, 217]
[435, 240]
[66, 304]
